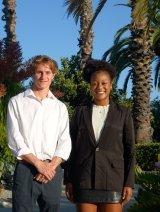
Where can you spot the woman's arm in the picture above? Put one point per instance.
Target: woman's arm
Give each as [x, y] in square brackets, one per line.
[129, 146]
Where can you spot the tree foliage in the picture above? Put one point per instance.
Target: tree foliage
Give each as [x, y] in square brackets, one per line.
[71, 88]
[69, 83]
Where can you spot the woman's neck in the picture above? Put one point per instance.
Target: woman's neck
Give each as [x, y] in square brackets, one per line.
[101, 102]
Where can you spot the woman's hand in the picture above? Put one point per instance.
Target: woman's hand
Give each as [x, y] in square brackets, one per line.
[127, 194]
[69, 192]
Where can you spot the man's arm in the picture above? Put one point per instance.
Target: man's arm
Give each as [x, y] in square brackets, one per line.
[56, 161]
[63, 148]
[16, 142]
[15, 138]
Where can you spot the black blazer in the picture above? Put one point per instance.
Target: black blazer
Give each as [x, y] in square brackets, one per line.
[109, 164]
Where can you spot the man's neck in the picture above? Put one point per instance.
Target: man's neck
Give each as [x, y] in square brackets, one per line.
[40, 94]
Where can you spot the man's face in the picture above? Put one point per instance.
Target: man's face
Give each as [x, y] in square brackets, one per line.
[43, 77]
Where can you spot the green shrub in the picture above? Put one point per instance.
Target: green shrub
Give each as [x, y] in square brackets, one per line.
[7, 160]
[147, 155]
[5, 153]
[148, 198]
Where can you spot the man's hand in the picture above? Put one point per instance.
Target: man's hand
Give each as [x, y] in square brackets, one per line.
[48, 169]
[127, 194]
[45, 169]
[41, 166]
[41, 178]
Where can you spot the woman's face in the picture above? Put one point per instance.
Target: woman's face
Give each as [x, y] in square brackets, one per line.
[101, 86]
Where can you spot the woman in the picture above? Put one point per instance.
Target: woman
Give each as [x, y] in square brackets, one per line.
[99, 174]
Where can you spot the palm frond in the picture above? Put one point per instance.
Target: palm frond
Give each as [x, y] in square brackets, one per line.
[125, 85]
[120, 32]
[122, 44]
[116, 47]
[157, 74]
[96, 13]
[121, 61]
[119, 55]
[121, 67]
[105, 55]
[156, 36]
[74, 7]
[116, 58]
[126, 5]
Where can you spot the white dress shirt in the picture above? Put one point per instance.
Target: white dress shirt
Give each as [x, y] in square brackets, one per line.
[38, 127]
[99, 115]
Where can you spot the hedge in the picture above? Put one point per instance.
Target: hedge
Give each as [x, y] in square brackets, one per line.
[147, 155]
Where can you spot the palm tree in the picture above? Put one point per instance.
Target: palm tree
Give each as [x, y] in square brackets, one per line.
[82, 11]
[11, 54]
[156, 43]
[10, 18]
[120, 53]
[136, 53]
[142, 56]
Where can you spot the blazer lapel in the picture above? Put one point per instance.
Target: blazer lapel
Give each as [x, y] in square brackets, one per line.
[107, 121]
[88, 120]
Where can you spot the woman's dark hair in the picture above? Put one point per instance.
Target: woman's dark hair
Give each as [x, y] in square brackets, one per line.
[93, 66]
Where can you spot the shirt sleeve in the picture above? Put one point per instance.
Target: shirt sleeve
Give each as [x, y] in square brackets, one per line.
[63, 148]
[15, 138]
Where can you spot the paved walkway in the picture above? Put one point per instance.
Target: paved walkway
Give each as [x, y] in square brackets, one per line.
[65, 205]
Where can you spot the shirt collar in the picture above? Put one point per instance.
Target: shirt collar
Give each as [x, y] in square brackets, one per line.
[30, 93]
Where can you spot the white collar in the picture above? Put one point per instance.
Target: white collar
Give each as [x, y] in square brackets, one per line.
[29, 92]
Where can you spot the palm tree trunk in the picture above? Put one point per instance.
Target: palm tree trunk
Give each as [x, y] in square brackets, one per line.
[141, 59]
[10, 18]
[86, 38]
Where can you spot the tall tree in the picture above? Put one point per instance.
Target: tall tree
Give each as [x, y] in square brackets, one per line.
[120, 54]
[10, 18]
[10, 55]
[142, 55]
[85, 40]
[10, 50]
[82, 10]
[137, 53]
[155, 15]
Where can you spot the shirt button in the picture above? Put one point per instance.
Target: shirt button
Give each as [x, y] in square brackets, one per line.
[97, 149]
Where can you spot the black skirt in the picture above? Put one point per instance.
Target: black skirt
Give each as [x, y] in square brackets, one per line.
[96, 196]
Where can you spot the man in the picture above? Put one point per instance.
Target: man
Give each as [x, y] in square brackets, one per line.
[38, 135]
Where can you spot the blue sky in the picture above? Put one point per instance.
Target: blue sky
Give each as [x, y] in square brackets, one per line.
[43, 28]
